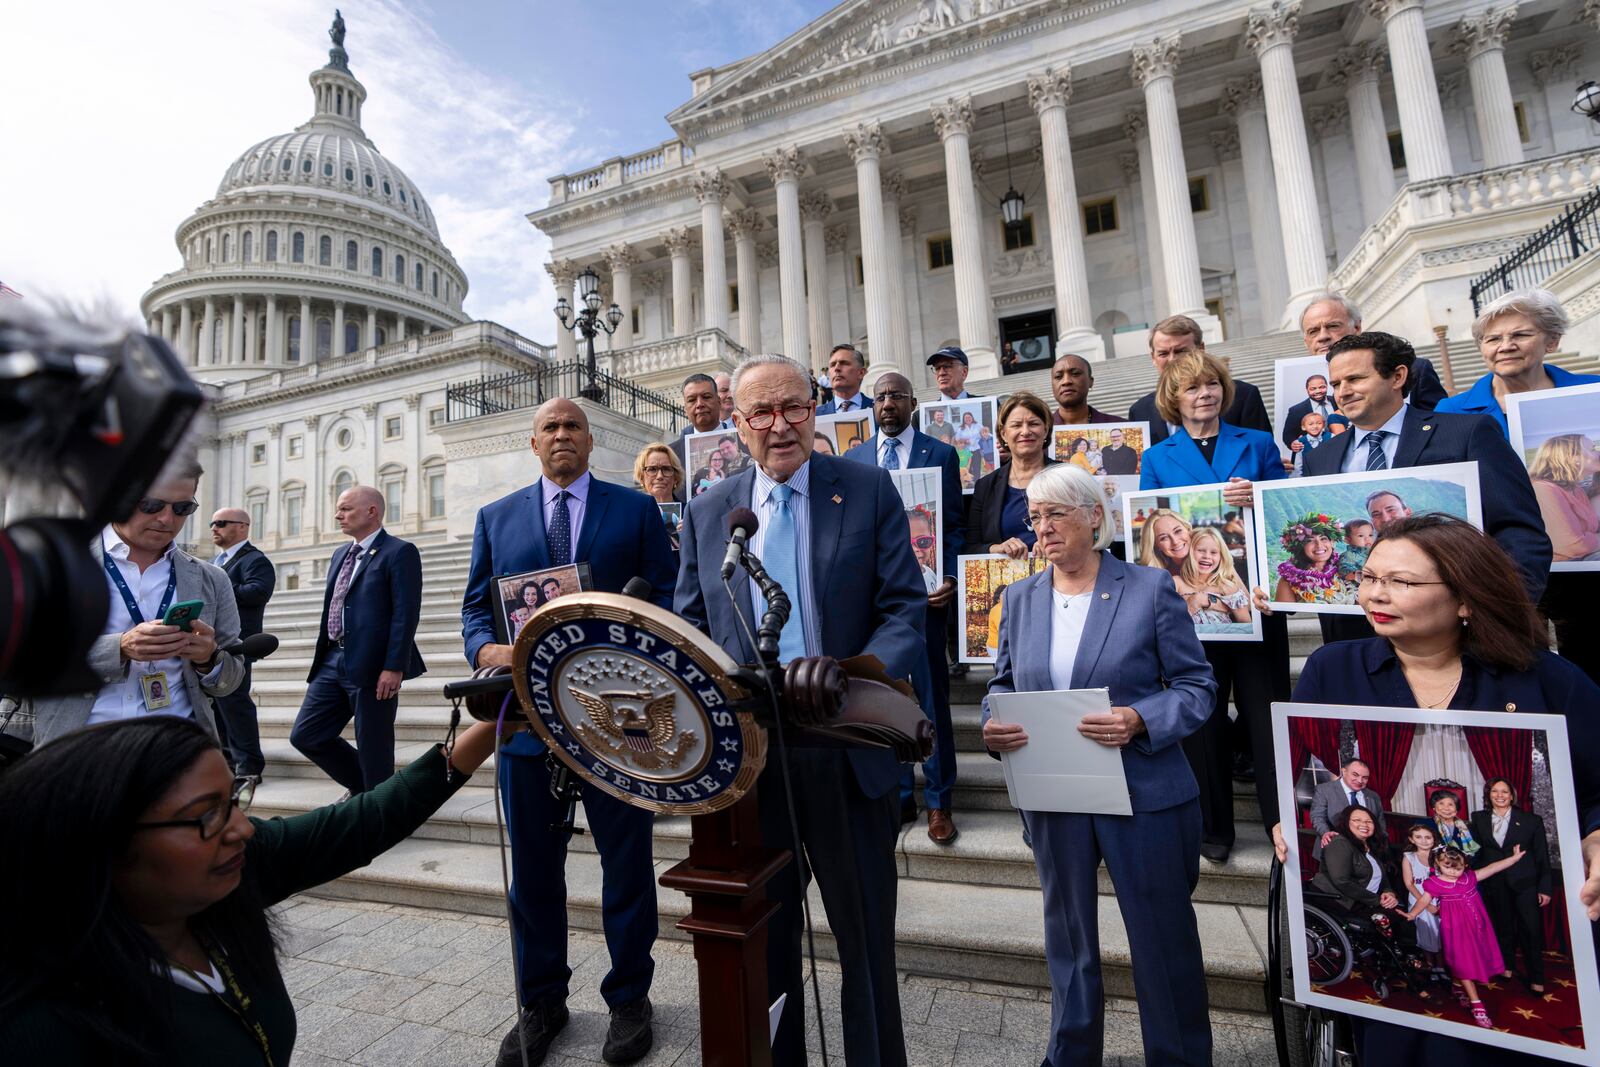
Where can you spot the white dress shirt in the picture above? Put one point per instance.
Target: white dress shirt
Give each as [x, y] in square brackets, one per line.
[1356, 458]
[1066, 634]
[764, 506]
[362, 547]
[857, 403]
[903, 453]
[577, 503]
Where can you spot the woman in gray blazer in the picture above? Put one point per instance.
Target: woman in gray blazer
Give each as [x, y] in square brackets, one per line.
[1091, 621]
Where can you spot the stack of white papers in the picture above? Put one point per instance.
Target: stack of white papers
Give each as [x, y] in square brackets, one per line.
[1059, 769]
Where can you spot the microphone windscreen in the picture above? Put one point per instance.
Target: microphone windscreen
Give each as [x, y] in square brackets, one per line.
[637, 588]
[745, 519]
[256, 646]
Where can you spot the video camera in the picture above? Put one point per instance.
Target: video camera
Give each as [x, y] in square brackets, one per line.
[96, 413]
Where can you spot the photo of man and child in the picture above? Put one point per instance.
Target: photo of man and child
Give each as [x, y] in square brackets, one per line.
[1432, 885]
[1313, 534]
[968, 427]
[523, 594]
[1307, 414]
[1203, 544]
[1557, 433]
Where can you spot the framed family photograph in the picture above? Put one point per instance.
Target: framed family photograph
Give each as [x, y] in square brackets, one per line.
[523, 594]
[1557, 433]
[1302, 402]
[1409, 904]
[921, 493]
[968, 426]
[713, 456]
[840, 432]
[1313, 534]
[672, 518]
[980, 581]
[1204, 545]
[1102, 448]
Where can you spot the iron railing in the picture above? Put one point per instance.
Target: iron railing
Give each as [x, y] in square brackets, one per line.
[1574, 233]
[530, 388]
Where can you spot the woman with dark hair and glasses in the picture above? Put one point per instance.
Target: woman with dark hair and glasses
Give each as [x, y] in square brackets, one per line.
[139, 893]
[1456, 629]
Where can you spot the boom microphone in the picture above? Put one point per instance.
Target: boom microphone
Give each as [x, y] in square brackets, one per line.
[637, 588]
[256, 646]
[742, 525]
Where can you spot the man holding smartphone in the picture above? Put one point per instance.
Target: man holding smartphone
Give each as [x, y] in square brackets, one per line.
[148, 666]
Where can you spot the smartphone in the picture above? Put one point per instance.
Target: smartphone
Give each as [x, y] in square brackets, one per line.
[183, 613]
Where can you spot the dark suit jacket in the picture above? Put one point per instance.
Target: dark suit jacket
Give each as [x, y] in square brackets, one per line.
[1122, 460]
[1530, 874]
[1346, 871]
[1510, 510]
[253, 582]
[1247, 410]
[927, 452]
[381, 610]
[1240, 453]
[1426, 388]
[985, 507]
[858, 528]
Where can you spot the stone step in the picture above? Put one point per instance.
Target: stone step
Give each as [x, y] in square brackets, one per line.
[946, 929]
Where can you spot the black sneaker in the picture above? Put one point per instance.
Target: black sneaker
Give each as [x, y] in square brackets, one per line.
[536, 1028]
[630, 1035]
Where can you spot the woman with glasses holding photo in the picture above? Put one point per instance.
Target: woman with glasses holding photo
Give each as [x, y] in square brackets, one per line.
[1455, 629]
[139, 893]
[997, 511]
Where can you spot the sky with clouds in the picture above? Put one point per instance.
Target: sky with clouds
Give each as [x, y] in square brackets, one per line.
[121, 118]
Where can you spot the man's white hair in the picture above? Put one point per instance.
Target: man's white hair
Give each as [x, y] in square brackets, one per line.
[1352, 313]
[1074, 487]
[768, 359]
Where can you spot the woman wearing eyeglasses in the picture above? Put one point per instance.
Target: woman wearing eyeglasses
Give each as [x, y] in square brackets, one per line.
[657, 471]
[1455, 629]
[141, 665]
[139, 891]
[997, 510]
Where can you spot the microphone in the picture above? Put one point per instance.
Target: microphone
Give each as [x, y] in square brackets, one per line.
[256, 646]
[742, 525]
[637, 588]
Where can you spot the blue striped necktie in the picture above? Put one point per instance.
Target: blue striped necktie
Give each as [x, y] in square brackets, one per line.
[783, 567]
[1375, 457]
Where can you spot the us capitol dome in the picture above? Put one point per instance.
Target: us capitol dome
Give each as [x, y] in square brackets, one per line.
[315, 247]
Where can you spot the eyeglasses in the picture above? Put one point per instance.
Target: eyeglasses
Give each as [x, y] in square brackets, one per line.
[897, 397]
[655, 470]
[1055, 515]
[217, 524]
[922, 543]
[1520, 337]
[1393, 583]
[793, 414]
[151, 506]
[214, 819]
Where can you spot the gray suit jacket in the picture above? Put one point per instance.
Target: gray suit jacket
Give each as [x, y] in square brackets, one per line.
[1329, 800]
[197, 580]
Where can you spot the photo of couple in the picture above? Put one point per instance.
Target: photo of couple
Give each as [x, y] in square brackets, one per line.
[523, 594]
[968, 427]
[1203, 544]
[1431, 887]
[713, 456]
[1557, 433]
[1104, 449]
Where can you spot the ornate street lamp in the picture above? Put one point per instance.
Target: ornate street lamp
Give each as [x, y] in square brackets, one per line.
[1012, 203]
[588, 323]
[1587, 101]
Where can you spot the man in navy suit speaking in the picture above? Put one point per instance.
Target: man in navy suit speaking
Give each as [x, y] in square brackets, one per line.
[833, 533]
[568, 516]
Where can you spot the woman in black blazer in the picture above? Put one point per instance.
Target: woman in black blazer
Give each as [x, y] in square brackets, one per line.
[1350, 869]
[1513, 900]
[997, 514]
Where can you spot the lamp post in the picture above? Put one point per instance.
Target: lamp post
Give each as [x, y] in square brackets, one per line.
[1586, 102]
[588, 322]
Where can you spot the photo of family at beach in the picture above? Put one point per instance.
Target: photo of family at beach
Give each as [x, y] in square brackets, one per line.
[968, 427]
[1557, 434]
[1204, 545]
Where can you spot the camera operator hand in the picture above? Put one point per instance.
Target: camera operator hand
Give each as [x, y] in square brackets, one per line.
[151, 641]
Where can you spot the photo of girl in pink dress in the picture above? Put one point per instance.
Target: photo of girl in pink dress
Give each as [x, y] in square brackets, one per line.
[1471, 953]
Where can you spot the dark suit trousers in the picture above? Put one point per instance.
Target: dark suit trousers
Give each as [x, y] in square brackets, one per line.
[622, 835]
[241, 731]
[1569, 604]
[848, 842]
[1255, 674]
[939, 771]
[331, 701]
[1153, 858]
[1514, 914]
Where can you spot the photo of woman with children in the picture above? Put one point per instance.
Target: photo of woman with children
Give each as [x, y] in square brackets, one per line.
[1186, 533]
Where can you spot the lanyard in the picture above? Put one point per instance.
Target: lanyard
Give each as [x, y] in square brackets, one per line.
[127, 594]
[237, 1002]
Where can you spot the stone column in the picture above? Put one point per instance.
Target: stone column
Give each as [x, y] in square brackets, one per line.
[745, 224]
[680, 242]
[866, 145]
[1136, 168]
[369, 339]
[894, 267]
[784, 166]
[952, 121]
[1242, 99]
[251, 344]
[1154, 67]
[815, 207]
[1270, 35]
[208, 326]
[274, 329]
[1048, 93]
[236, 338]
[1356, 70]
[563, 272]
[186, 347]
[166, 326]
[621, 259]
[308, 349]
[711, 188]
[399, 327]
[1482, 40]
[337, 349]
[1416, 90]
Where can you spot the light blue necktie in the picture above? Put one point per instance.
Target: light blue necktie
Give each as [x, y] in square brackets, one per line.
[891, 458]
[782, 566]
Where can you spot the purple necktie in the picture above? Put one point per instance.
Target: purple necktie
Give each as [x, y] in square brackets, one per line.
[341, 586]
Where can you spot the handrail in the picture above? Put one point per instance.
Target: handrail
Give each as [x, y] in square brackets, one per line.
[525, 389]
[1571, 235]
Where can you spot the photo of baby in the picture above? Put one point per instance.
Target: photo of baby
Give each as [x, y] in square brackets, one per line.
[713, 456]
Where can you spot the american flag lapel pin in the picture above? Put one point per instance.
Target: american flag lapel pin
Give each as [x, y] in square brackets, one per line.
[837, 499]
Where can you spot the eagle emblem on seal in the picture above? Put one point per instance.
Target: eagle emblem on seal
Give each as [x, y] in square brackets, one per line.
[636, 725]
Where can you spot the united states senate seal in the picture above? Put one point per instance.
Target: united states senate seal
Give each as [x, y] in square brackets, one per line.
[638, 703]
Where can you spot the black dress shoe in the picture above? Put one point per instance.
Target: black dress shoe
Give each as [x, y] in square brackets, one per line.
[1214, 852]
[535, 1030]
[1244, 769]
[908, 810]
[958, 670]
[630, 1035]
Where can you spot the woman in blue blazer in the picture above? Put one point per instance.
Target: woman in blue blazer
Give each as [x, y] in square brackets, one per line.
[1431, 574]
[1194, 391]
[1091, 621]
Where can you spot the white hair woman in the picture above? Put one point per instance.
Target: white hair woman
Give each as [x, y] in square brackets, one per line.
[1091, 621]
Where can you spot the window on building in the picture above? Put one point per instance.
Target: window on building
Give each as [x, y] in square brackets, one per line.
[295, 446]
[382, 337]
[1397, 150]
[217, 335]
[342, 481]
[272, 246]
[257, 506]
[417, 275]
[247, 247]
[377, 262]
[227, 248]
[288, 164]
[352, 337]
[860, 271]
[436, 285]
[392, 484]
[338, 101]
[1523, 130]
[349, 174]
[1214, 308]
[733, 299]
[636, 318]
[297, 247]
[1019, 236]
[391, 428]
[327, 168]
[293, 505]
[344, 438]
[1199, 194]
[306, 165]
[209, 257]
[258, 453]
[402, 194]
[325, 251]
[368, 179]
[386, 190]
[435, 480]
[324, 338]
[435, 418]
[293, 327]
[352, 255]
[941, 252]
[399, 269]
[1099, 216]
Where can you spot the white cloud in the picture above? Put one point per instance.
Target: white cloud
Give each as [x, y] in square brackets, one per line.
[119, 126]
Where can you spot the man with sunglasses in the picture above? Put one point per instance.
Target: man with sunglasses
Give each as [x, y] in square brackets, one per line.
[147, 667]
[254, 579]
[899, 445]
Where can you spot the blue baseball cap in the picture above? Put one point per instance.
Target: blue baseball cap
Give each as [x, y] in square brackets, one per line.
[949, 352]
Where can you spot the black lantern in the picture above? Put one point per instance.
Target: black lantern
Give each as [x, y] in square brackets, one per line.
[1012, 203]
[589, 289]
[1586, 101]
